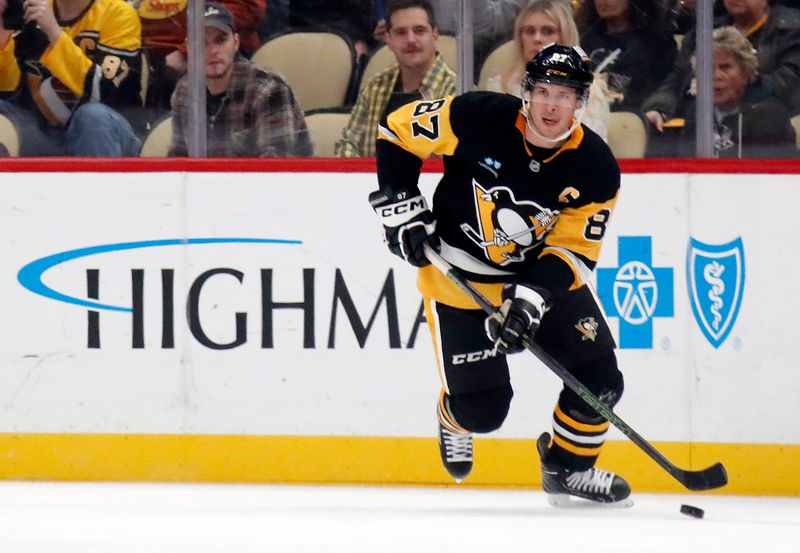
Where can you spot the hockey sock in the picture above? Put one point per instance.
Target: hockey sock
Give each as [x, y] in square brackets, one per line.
[446, 418]
[577, 439]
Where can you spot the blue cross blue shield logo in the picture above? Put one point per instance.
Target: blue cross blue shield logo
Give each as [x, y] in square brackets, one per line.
[715, 275]
[636, 291]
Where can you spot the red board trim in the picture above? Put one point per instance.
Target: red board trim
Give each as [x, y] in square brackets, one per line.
[364, 165]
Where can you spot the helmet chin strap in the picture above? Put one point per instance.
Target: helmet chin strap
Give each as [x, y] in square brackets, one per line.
[578, 115]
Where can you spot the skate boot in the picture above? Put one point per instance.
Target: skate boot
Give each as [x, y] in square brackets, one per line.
[456, 451]
[593, 484]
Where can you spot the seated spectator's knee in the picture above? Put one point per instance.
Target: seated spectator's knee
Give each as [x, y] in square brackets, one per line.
[481, 412]
[92, 113]
[99, 130]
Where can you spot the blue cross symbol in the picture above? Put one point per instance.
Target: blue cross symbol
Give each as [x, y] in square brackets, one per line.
[636, 292]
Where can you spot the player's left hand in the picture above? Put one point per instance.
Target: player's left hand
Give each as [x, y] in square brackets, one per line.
[512, 327]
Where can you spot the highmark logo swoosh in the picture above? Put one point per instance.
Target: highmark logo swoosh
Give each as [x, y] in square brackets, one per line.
[30, 276]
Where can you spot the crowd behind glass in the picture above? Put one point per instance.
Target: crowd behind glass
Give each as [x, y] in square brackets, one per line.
[96, 77]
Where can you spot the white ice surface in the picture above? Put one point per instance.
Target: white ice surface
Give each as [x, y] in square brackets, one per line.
[152, 518]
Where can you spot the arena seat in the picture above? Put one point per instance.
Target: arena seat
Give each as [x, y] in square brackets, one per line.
[627, 134]
[317, 65]
[383, 58]
[796, 124]
[325, 127]
[156, 144]
[496, 63]
[9, 137]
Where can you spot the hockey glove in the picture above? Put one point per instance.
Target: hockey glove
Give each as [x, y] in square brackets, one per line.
[407, 224]
[513, 326]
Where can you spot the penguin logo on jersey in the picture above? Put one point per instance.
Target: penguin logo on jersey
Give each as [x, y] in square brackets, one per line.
[588, 327]
[508, 228]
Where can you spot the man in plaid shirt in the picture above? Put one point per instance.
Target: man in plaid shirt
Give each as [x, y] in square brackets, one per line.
[251, 111]
[419, 74]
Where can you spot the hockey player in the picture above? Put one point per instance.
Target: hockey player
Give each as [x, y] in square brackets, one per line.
[521, 210]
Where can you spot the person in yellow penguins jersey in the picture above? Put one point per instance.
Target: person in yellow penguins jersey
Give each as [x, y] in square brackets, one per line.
[521, 210]
[68, 68]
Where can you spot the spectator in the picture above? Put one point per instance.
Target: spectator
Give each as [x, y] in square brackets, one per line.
[640, 31]
[251, 112]
[538, 24]
[67, 76]
[684, 14]
[775, 34]
[420, 73]
[749, 122]
[492, 23]
[164, 40]
[352, 18]
[277, 20]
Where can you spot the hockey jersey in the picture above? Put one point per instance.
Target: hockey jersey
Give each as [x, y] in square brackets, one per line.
[96, 58]
[505, 210]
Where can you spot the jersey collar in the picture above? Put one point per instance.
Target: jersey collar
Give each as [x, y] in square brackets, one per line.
[572, 142]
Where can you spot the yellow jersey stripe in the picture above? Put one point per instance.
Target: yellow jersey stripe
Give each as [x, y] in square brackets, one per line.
[433, 284]
[422, 128]
[577, 229]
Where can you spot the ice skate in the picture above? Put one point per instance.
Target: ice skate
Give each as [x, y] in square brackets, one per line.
[456, 451]
[591, 487]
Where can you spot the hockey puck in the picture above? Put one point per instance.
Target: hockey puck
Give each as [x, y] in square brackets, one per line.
[691, 511]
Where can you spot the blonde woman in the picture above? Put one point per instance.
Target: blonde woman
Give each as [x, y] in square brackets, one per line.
[538, 24]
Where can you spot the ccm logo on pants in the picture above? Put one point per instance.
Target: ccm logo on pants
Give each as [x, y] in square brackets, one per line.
[474, 356]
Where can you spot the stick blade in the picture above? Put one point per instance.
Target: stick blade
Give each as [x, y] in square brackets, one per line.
[711, 478]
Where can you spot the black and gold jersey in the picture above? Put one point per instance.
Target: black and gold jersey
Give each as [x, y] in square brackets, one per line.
[96, 58]
[505, 210]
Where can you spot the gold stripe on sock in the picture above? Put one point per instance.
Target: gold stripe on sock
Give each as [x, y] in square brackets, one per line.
[581, 426]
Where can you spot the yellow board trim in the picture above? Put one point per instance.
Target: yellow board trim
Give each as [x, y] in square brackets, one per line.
[753, 469]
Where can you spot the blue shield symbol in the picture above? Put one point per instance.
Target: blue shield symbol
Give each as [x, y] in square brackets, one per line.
[715, 275]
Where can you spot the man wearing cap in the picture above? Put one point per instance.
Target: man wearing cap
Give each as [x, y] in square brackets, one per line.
[251, 111]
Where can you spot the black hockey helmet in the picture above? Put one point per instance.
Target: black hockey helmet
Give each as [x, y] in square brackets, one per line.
[562, 65]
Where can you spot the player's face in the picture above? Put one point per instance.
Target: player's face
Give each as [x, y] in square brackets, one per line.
[729, 81]
[552, 109]
[537, 31]
[221, 49]
[412, 39]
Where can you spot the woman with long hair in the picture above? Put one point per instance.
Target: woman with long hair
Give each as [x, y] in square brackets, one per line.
[538, 24]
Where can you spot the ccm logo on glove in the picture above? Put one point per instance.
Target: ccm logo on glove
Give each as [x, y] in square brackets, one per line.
[407, 224]
[398, 213]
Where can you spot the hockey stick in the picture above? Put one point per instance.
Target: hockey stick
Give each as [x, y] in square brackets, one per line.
[709, 478]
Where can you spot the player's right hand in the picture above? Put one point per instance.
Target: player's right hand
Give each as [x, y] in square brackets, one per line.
[512, 327]
[408, 224]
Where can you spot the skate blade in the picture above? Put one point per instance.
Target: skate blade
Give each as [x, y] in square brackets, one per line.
[565, 501]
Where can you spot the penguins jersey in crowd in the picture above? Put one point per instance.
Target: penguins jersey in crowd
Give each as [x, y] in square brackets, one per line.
[505, 210]
[96, 58]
